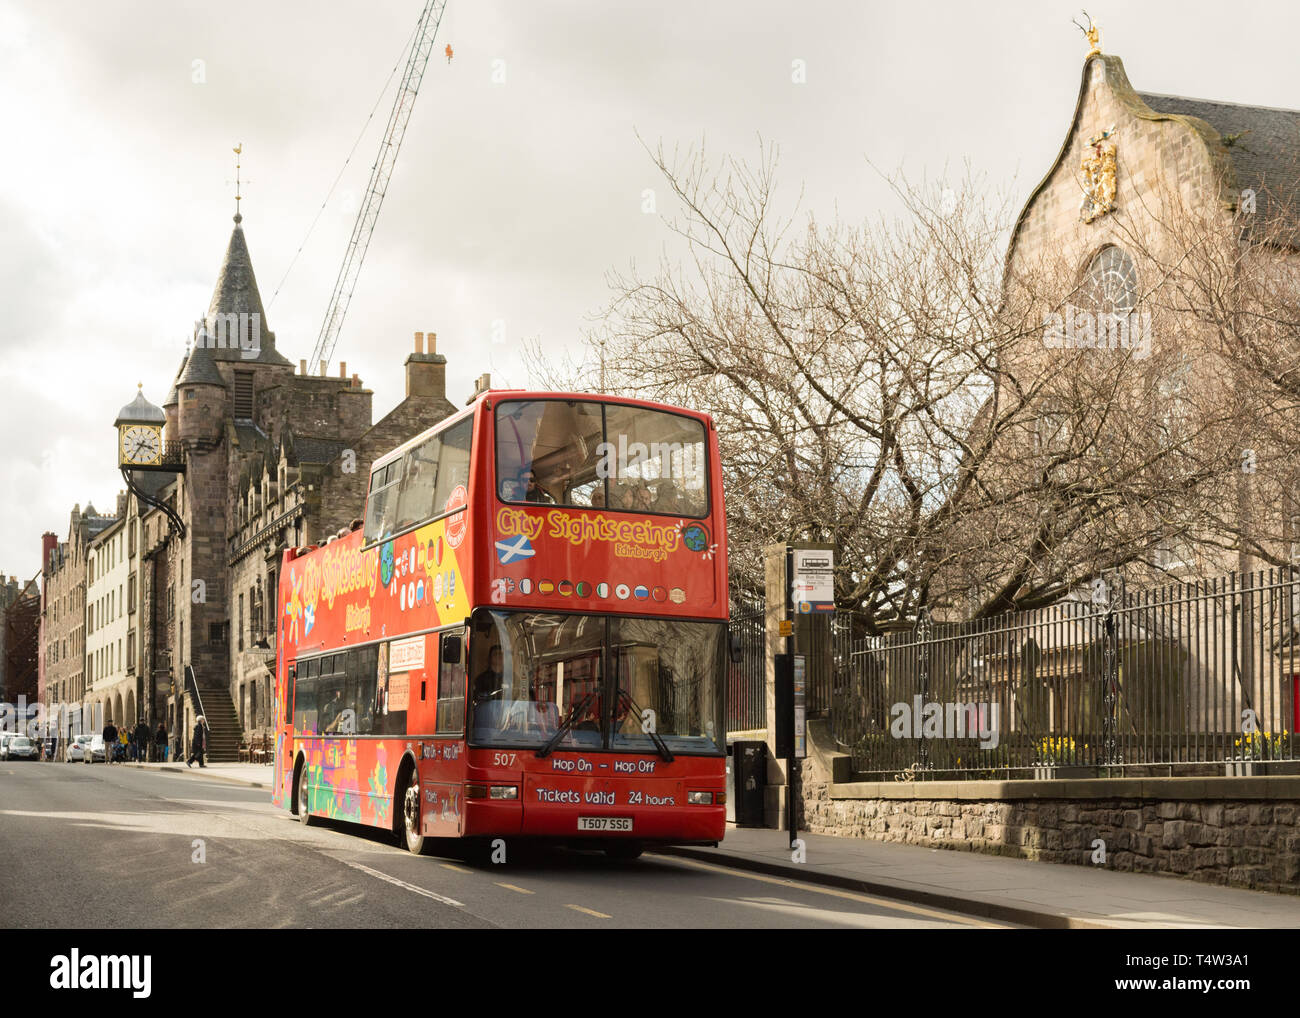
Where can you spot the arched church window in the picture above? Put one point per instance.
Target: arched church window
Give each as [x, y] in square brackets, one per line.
[1110, 283]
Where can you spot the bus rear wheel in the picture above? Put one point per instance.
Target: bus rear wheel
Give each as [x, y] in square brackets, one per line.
[304, 814]
[412, 827]
[624, 850]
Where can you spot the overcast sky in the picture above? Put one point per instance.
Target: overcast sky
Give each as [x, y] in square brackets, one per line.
[510, 200]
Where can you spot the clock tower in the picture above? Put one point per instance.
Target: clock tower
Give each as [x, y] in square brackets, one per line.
[140, 434]
[141, 445]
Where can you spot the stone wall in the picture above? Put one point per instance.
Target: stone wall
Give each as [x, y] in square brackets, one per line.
[1242, 832]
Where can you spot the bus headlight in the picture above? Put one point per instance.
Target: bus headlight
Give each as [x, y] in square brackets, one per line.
[491, 791]
[699, 798]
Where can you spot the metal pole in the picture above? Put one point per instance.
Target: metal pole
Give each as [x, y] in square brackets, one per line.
[791, 823]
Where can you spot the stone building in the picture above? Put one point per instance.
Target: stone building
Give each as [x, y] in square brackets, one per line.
[1134, 169]
[273, 457]
[19, 640]
[110, 649]
[63, 623]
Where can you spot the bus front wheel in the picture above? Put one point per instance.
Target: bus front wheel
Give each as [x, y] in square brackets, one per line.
[412, 828]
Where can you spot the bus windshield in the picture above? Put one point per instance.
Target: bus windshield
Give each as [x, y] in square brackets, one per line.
[624, 680]
[600, 455]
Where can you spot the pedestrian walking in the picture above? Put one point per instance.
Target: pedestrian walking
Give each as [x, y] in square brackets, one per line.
[142, 741]
[199, 742]
[110, 740]
[160, 742]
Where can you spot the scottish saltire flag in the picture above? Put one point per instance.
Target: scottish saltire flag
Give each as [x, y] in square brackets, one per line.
[514, 548]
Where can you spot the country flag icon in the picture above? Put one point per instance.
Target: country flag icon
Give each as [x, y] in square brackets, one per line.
[514, 549]
[623, 591]
[677, 595]
[545, 587]
[525, 586]
[582, 589]
[641, 592]
[659, 594]
[602, 589]
[564, 588]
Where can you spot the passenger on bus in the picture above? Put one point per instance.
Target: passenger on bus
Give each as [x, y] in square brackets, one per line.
[533, 492]
[489, 684]
[639, 499]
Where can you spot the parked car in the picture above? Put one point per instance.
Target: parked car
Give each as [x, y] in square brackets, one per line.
[95, 752]
[76, 748]
[5, 739]
[22, 748]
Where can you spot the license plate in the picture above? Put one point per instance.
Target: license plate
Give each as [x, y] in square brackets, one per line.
[604, 823]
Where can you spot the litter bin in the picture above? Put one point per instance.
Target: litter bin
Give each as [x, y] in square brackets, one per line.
[747, 774]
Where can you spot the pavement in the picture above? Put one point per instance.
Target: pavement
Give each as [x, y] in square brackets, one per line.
[252, 775]
[1020, 891]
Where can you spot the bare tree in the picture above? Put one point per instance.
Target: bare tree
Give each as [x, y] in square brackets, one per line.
[894, 389]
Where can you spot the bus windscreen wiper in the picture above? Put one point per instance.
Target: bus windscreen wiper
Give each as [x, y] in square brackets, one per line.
[565, 725]
[660, 745]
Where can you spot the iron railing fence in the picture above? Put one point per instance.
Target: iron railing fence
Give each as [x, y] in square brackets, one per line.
[746, 706]
[1199, 677]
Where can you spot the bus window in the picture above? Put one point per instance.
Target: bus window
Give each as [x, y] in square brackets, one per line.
[381, 504]
[391, 696]
[547, 451]
[530, 671]
[288, 694]
[453, 471]
[451, 696]
[415, 499]
[304, 701]
[657, 462]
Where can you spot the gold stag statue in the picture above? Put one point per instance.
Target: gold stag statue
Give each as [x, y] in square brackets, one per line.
[1093, 34]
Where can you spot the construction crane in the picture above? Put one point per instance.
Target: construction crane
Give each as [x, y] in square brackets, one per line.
[380, 172]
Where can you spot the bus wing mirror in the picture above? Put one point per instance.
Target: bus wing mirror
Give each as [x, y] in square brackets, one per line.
[451, 650]
[737, 652]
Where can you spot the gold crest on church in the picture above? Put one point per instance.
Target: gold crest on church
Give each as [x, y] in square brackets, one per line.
[1098, 168]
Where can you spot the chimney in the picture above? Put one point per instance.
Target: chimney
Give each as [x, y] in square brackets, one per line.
[481, 386]
[343, 369]
[426, 373]
[121, 505]
[324, 368]
[302, 366]
[433, 342]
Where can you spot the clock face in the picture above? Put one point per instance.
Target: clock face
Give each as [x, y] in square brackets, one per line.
[141, 445]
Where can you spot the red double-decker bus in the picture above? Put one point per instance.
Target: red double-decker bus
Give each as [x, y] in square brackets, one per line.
[527, 638]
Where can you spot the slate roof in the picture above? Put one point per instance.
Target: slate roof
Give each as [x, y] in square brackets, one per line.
[173, 399]
[201, 369]
[312, 450]
[140, 409]
[1262, 146]
[236, 293]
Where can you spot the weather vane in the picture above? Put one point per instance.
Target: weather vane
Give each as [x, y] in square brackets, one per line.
[1092, 33]
[239, 151]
